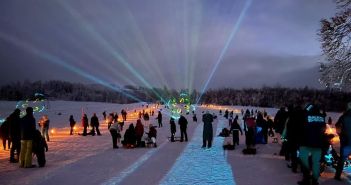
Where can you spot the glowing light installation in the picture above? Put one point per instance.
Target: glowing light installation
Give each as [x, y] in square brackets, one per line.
[39, 104]
[176, 105]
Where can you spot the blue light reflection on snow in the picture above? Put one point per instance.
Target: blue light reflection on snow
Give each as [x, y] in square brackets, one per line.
[201, 166]
[125, 173]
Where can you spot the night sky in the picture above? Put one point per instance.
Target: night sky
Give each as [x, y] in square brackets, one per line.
[172, 43]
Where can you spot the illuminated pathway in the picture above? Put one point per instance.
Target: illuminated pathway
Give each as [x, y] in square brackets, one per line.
[201, 166]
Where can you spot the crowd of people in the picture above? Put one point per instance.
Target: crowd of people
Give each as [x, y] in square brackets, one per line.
[305, 142]
[25, 140]
[302, 130]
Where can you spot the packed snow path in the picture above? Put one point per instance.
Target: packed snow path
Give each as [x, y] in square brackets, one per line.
[201, 166]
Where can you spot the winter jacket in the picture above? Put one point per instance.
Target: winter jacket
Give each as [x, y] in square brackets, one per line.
[294, 125]
[159, 117]
[94, 121]
[313, 130]
[235, 127]
[129, 135]
[72, 122]
[114, 126]
[5, 130]
[183, 123]
[344, 128]
[279, 120]
[139, 129]
[15, 126]
[27, 127]
[208, 129]
[152, 132]
[85, 122]
[173, 126]
[39, 143]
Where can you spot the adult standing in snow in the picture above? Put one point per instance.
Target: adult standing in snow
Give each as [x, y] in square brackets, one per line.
[72, 123]
[139, 132]
[235, 128]
[159, 119]
[27, 134]
[15, 134]
[294, 125]
[183, 124]
[113, 127]
[311, 144]
[44, 127]
[94, 122]
[85, 124]
[207, 135]
[343, 127]
[4, 134]
[104, 114]
[173, 128]
[250, 131]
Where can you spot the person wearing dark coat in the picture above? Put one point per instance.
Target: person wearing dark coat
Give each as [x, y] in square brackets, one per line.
[94, 123]
[139, 132]
[183, 124]
[27, 135]
[235, 129]
[5, 135]
[194, 117]
[85, 124]
[15, 134]
[129, 137]
[173, 128]
[279, 120]
[207, 135]
[312, 142]
[294, 126]
[159, 119]
[39, 148]
[72, 123]
[343, 127]
[261, 135]
[152, 134]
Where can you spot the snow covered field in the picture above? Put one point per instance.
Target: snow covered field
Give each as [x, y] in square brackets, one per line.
[91, 159]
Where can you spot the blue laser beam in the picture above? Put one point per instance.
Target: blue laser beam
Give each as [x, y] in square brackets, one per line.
[108, 46]
[60, 62]
[226, 46]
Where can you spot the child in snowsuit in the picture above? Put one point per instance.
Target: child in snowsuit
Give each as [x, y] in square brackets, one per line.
[39, 148]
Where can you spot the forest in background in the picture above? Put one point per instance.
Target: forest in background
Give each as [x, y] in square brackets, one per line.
[330, 99]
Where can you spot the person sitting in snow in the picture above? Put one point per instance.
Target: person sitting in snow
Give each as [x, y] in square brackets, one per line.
[39, 148]
[152, 134]
[129, 137]
[139, 132]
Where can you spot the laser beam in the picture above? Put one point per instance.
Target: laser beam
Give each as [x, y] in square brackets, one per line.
[226, 46]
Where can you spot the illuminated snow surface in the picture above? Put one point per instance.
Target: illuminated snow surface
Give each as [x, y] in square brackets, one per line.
[91, 160]
[201, 166]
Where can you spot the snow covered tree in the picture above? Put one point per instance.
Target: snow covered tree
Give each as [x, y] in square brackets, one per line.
[335, 36]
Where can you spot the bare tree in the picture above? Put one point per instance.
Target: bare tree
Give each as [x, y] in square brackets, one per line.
[335, 37]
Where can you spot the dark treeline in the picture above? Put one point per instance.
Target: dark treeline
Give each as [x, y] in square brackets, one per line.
[332, 100]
